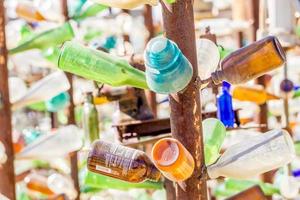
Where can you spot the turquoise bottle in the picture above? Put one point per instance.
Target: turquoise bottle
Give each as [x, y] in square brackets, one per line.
[46, 39]
[167, 69]
[58, 102]
[214, 134]
[99, 66]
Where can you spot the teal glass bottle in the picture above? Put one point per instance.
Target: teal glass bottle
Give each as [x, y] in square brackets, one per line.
[99, 66]
[167, 69]
[58, 102]
[46, 39]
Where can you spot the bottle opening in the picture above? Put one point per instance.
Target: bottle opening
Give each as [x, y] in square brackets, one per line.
[165, 152]
[157, 44]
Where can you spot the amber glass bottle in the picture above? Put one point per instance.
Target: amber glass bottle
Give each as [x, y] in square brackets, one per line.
[258, 96]
[121, 162]
[250, 62]
[173, 159]
[37, 183]
[29, 12]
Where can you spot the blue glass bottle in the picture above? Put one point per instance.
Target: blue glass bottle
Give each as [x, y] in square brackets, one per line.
[224, 103]
[167, 69]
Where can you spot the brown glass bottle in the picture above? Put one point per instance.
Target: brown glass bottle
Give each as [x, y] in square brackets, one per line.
[121, 162]
[250, 62]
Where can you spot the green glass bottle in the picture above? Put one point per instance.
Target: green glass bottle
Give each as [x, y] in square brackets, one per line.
[104, 182]
[99, 66]
[90, 11]
[240, 185]
[46, 39]
[214, 135]
[90, 119]
[51, 54]
[297, 147]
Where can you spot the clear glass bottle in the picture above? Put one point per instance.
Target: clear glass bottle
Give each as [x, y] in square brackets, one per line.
[99, 66]
[250, 62]
[173, 159]
[255, 156]
[121, 162]
[167, 69]
[46, 39]
[225, 110]
[126, 4]
[90, 119]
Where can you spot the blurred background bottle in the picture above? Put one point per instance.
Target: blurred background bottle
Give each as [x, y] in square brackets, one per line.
[224, 106]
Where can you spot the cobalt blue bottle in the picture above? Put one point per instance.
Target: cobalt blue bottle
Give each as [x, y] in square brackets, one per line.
[167, 69]
[224, 104]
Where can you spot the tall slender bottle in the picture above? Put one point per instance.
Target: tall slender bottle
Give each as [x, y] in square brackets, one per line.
[255, 156]
[126, 4]
[99, 66]
[167, 69]
[121, 162]
[46, 39]
[258, 96]
[90, 119]
[214, 135]
[250, 62]
[224, 104]
[173, 159]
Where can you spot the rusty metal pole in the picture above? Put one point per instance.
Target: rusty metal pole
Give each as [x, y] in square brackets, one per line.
[71, 118]
[186, 117]
[7, 180]
[151, 96]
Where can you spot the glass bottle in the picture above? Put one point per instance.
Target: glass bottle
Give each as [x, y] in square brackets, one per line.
[105, 182]
[225, 110]
[90, 119]
[258, 96]
[167, 69]
[58, 102]
[44, 89]
[255, 156]
[250, 62]
[126, 4]
[89, 11]
[99, 66]
[64, 141]
[60, 184]
[29, 12]
[173, 159]
[121, 162]
[214, 134]
[46, 39]
[38, 183]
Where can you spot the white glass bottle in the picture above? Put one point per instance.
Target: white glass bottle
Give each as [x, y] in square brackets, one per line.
[255, 156]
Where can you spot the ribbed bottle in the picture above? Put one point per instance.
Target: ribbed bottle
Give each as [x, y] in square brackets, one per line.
[167, 69]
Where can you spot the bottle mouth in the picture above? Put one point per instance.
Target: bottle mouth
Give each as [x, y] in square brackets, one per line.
[165, 152]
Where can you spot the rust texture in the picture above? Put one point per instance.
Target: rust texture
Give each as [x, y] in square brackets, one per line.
[7, 183]
[148, 20]
[71, 117]
[186, 120]
[253, 193]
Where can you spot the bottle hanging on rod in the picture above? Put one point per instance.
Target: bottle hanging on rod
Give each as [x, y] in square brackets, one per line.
[121, 162]
[173, 159]
[256, 95]
[99, 66]
[90, 119]
[46, 39]
[167, 69]
[255, 156]
[250, 62]
[126, 4]
[225, 110]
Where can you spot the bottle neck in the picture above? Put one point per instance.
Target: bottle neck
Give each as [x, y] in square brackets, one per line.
[218, 77]
[153, 173]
